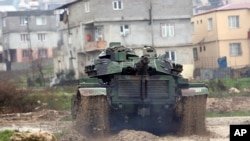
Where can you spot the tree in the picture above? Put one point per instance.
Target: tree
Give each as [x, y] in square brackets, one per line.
[40, 79]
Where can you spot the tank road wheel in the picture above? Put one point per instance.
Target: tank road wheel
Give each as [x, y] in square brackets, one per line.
[190, 114]
[92, 116]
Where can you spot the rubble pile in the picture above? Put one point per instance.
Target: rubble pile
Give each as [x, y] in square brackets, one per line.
[35, 136]
[132, 135]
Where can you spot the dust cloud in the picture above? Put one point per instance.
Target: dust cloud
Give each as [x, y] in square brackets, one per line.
[92, 121]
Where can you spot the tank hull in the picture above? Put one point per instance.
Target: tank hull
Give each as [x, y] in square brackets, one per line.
[98, 113]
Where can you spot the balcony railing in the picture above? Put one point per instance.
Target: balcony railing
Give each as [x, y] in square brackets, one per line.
[95, 46]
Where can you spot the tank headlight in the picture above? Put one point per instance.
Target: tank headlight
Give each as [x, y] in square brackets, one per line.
[120, 105]
[159, 119]
[166, 106]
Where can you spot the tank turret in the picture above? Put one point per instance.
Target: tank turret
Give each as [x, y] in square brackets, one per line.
[123, 60]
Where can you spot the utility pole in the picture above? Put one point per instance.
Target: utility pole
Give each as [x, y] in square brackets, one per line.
[151, 22]
[30, 47]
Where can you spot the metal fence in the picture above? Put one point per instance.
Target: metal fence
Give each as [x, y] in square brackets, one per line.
[219, 73]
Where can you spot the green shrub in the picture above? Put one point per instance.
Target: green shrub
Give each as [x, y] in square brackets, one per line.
[59, 101]
[220, 88]
[227, 114]
[5, 135]
[13, 99]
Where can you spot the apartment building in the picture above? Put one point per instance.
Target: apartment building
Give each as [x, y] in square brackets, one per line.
[222, 33]
[28, 35]
[89, 26]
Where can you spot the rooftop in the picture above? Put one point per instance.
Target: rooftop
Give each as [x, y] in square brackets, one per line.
[234, 6]
[238, 6]
[7, 8]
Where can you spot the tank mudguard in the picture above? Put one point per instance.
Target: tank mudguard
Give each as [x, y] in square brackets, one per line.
[92, 91]
[194, 91]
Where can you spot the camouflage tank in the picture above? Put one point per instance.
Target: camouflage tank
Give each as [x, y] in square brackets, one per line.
[125, 91]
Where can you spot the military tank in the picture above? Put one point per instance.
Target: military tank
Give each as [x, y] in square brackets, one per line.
[127, 91]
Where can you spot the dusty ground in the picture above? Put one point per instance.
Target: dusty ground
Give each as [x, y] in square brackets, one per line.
[49, 120]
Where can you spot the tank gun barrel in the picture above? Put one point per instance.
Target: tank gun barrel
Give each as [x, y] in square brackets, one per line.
[142, 66]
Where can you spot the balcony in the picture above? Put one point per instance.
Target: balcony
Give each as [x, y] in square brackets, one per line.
[95, 46]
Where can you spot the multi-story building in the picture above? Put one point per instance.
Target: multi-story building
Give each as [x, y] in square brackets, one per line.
[222, 33]
[89, 26]
[28, 35]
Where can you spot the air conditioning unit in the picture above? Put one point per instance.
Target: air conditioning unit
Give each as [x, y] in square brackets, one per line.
[125, 33]
[34, 4]
[67, 11]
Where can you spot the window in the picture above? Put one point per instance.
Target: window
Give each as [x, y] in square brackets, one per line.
[26, 53]
[233, 21]
[41, 20]
[235, 49]
[200, 48]
[98, 34]
[43, 53]
[124, 30]
[24, 37]
[210, 24]
[195, 51]
[192, 27]
[70, 39]
[117, 5]
[41, 36]
[167, 30]
[23, 21]
[87, 7]
[171, 55]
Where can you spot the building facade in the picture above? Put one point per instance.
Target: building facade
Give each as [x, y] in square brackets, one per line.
[222, 33]
[89, 26]
[28, 35]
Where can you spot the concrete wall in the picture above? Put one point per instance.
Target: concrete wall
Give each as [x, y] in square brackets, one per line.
[140, 33]
[35, 54]
[12, 20]
[46, 64]
[135, 14]
[49, 42]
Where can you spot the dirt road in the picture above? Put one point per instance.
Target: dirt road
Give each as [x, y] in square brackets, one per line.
[54, 121]
[218, 127]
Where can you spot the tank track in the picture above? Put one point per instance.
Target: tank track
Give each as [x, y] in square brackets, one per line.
[190, 112]
[91, 115]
